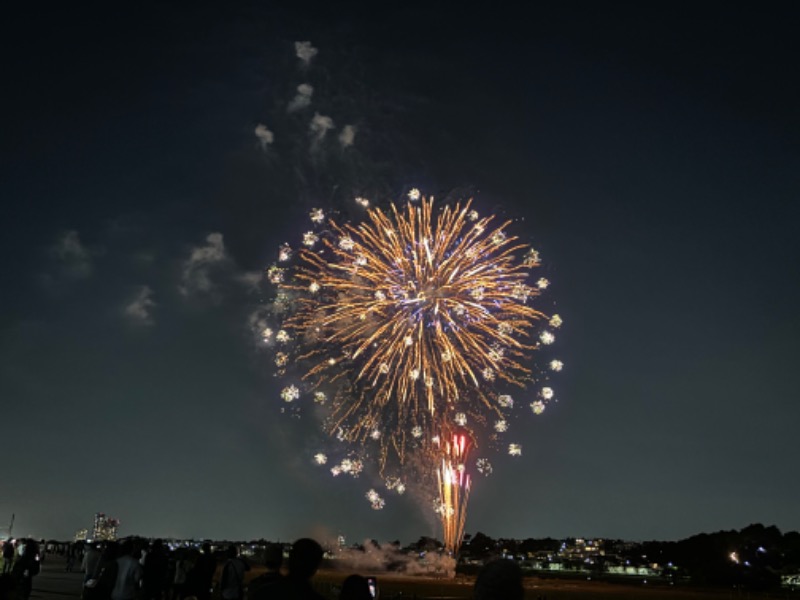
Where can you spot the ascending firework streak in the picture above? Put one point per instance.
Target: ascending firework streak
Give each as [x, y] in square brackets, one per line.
[454, 485]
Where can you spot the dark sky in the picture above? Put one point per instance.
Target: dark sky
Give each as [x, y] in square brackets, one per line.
[651, 151]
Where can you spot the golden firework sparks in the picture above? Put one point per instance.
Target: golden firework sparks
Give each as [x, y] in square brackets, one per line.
[414, 312]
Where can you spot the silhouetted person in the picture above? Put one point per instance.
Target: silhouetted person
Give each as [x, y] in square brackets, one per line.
[355, 587]
[200, 578]
[154, 572]
[99, 582]
[265, 586]
[305, 557]
[499, 580]
[232, 579]
[129, 574]
[91, 559]
[8, 556]
[26, 566]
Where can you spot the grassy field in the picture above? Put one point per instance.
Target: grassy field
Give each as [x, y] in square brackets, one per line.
[394, 586]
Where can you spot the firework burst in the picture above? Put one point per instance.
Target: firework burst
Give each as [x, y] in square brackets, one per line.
[412, 317]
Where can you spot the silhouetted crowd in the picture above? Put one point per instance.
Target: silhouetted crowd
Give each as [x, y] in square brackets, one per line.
[136, 570]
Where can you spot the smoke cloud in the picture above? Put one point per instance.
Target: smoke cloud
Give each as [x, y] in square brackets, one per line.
[303, 97]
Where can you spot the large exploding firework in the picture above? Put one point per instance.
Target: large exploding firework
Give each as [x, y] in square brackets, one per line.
[404, 327]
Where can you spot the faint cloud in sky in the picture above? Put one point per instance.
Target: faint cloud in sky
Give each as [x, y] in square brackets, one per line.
[139, 310]
[74, 258]
[195, 275]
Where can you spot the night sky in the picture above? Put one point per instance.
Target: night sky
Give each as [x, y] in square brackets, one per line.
[649, 153]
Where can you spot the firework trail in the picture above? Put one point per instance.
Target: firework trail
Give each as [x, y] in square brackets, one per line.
[454, 487]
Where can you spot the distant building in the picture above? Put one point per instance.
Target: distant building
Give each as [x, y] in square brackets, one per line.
[81, 535]
[105, 528]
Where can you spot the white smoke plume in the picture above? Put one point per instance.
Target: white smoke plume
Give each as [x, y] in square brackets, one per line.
[305, 51]
[139, 310]
[347, 136]
[195, 276]
[302, 98]
[318, 127]
[264, 135]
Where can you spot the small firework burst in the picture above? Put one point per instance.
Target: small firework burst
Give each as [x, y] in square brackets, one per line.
[414, 194]
[275, 274]
[310, 239]
[460, 419]
[555, 321]
[505, 401]
[320, 458]
[320, 397]
[556, 365]
[362, 202]
[290, 393]
[501, 426]
[547, 338]
[266, 334]
[376, 502]
[282, 336]
[547, 393]
[483, 466]
[543, 283]
[514, 450]
[317, 215]
[537, 407]
[284, 253]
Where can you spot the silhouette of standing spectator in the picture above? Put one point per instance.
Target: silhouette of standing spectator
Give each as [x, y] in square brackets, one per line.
[200, 578]
[264, 586]
[232, 580]
[154, 573]
[8, 556]
[91, 559]
[26, 566]
[99, 582]
[499, 580]
[355, 587]
[305, 557]
[129, 574]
